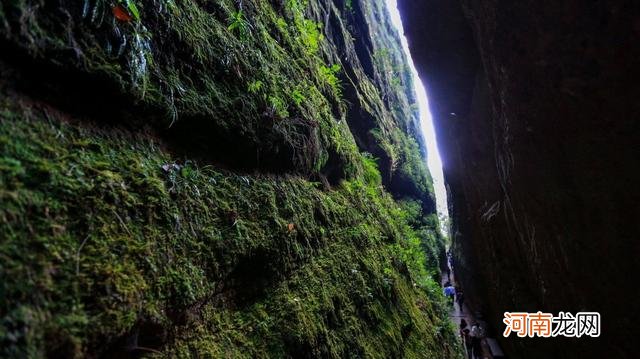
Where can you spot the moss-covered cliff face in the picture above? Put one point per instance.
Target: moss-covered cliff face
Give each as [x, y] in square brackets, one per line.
[292, 84]
[213, 179]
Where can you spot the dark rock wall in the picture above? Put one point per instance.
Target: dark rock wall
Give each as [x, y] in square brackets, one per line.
[536, 109]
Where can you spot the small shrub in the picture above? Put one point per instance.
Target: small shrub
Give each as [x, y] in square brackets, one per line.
[255, 86]
[328, 75]
[278, 106]
[298, 97]
[131, 7]
[349, 5]
[371, 173]
[281, 24]
[310, 35]
[238, 24]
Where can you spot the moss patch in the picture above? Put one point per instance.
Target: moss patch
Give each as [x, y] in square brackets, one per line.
[293, 81]
[116, 242]
[110, 245]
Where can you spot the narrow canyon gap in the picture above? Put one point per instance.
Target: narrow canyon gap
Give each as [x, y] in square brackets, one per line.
[434, 161]
[248, 179]
[535, 106]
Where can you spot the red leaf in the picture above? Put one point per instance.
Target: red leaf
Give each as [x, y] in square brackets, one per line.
[121, 14]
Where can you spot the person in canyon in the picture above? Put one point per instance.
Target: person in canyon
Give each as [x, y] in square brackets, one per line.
[449, 292]
[466, 339]
[460, 298]
[463, 325]
[476, 335]
[464, 335]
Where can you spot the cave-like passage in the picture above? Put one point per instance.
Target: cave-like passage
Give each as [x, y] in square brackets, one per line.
[434, 163]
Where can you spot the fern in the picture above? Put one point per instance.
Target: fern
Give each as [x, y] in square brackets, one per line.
[328, 75]
[238, 23]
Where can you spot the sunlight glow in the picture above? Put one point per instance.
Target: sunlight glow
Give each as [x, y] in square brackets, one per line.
[433, 156]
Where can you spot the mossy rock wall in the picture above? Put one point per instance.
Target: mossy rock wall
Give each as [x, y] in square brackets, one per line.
[289, 81]
[191, 179]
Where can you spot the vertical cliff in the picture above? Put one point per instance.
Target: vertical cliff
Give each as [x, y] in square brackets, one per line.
[536, 110]
[213, 179]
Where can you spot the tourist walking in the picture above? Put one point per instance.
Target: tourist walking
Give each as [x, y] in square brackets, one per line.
[476, 341]
[449, 292]
[464, 335]
[460, 299]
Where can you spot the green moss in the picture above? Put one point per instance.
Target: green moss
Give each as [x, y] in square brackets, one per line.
[105, 235]
[328, 75]
[187, 61]
[108, 237]
[371, 173]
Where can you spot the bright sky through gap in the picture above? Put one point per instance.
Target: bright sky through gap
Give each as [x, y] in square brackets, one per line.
[433, 156]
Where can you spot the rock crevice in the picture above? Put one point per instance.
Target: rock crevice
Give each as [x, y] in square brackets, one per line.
[534, 106]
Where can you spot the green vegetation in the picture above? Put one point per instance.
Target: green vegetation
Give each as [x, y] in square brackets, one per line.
[414, 167]
[110, 241]
[105, 236]
[310, 35]
[131, 7]
[237, 23]
[297, 97]
[432, 242]
[235, 64]
[348, 4]
[329, 76]
[184, 60]
[371, 174]
[255, 86]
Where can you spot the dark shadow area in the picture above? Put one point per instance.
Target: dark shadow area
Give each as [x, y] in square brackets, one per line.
[536, 112]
